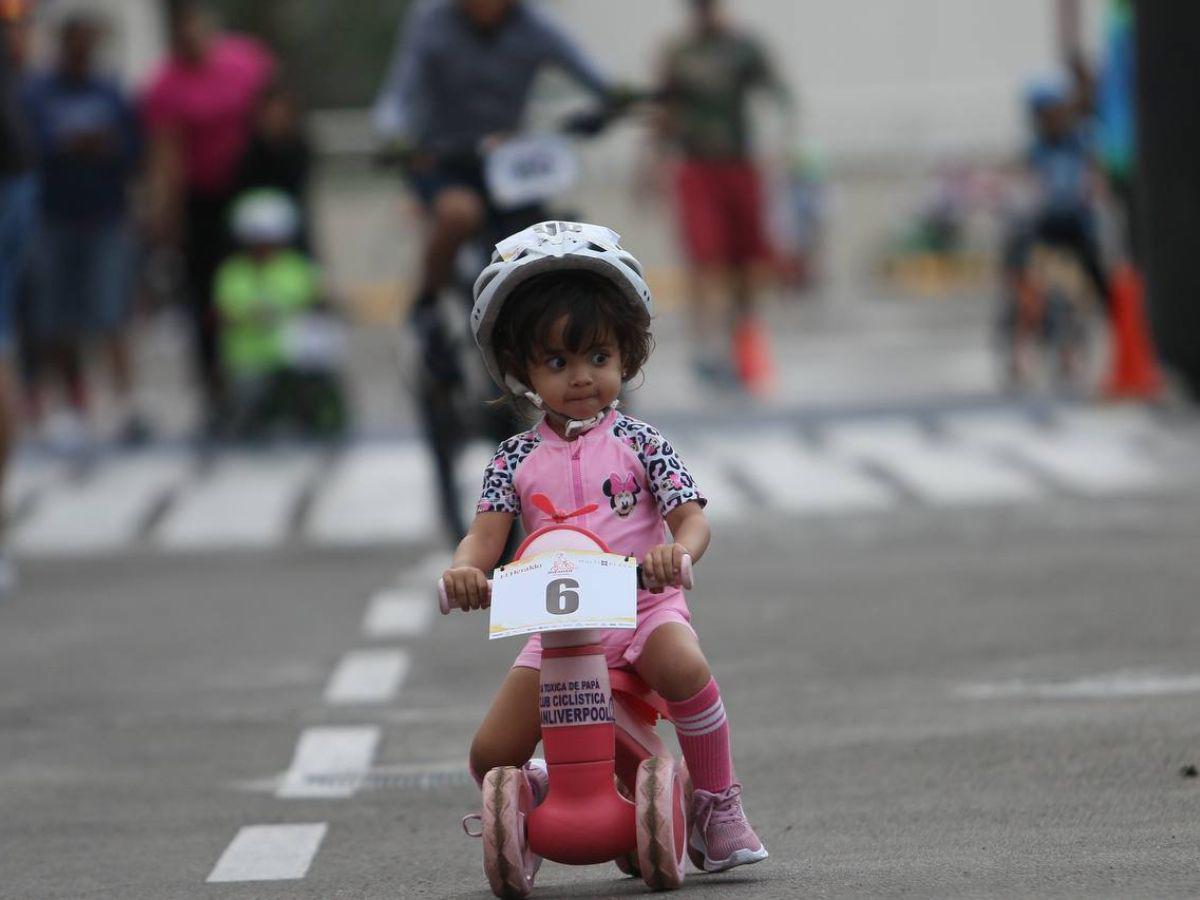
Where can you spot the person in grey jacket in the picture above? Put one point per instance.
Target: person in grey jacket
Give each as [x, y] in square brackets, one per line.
[462, 75]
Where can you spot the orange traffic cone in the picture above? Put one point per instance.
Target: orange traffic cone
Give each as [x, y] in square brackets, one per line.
[1133, 373]
[752, 356]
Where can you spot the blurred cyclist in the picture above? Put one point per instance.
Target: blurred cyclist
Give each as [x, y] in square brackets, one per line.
[461, 77]
[1061, 167]
[706, 83]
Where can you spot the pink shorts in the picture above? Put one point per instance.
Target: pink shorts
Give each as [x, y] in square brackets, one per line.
[623, 647]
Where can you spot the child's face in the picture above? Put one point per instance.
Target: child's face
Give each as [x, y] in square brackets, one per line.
[577, 385]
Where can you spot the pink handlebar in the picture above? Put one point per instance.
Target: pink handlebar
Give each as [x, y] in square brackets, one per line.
[686, 581]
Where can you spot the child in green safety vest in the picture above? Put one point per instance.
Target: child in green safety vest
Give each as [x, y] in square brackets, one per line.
[279, 348]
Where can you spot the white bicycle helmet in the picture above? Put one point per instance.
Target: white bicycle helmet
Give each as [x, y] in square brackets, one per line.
[265, 216]
[541, 248]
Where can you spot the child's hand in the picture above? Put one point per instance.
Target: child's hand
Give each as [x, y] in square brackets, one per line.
[467, 588]
[662, 566]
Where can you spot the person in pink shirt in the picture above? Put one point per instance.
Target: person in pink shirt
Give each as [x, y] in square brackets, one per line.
[198, 110]
[562, 318]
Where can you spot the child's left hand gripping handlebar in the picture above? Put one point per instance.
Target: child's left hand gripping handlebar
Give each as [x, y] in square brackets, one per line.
[686, 581]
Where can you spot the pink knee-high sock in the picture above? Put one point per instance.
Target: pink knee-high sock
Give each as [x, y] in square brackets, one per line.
[703, 733]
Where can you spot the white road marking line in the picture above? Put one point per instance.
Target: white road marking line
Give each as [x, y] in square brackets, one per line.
[367, 676]
[329, 762]
[1117, 422]
[103, 513]
[378, 493]
[425, 574]
[725, 500]
[937, 473]
[400, 613]
[799, 480]
[29, 476]
[1090, 462]
[247, 502]
[269, 853]
[1113, 686]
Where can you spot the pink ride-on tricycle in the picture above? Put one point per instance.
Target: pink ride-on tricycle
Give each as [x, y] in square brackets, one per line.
[584, 817]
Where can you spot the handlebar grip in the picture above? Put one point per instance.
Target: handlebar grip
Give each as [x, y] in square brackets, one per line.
[686, 579]
[685, 572]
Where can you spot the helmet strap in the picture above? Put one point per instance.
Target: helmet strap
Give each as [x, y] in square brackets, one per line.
[571, 427]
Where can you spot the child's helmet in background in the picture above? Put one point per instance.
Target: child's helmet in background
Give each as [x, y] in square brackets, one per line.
[265, 216]
[1045, 92]
[549, 247]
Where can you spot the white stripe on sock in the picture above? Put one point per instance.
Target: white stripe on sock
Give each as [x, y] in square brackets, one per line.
[717, 707]
[706, 723]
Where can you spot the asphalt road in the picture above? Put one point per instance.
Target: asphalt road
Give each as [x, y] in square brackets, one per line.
[925, 702]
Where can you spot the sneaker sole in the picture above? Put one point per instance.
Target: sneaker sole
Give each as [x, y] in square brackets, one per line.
[738, 858]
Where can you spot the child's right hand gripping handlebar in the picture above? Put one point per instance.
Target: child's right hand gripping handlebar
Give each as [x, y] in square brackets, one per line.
[686, 581]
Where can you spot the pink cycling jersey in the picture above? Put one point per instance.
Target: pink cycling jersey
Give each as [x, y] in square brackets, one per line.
[632, 474]
[622, 465]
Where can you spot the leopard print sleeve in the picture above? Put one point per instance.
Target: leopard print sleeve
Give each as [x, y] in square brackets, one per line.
[499, 478]
[670, 483]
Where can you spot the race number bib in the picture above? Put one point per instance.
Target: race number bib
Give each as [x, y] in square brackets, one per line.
[564, 590]
[530, 170]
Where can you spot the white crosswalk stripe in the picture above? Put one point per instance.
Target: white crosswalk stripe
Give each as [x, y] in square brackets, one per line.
[378, 493]
[947, 475]
[246, 502]
[384, 493]
[794, 478]
[1093, 461]
[103, 512]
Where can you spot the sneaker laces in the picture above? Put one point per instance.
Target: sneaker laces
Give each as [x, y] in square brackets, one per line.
[720, 807]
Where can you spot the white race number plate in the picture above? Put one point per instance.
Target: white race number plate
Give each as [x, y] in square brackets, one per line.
[564, 590]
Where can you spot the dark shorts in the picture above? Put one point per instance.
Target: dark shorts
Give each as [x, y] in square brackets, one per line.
[427, 183]
[83, 279]
[18, 211]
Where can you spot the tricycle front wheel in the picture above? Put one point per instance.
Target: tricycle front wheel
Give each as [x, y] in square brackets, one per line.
[507, 859]
[660, 798]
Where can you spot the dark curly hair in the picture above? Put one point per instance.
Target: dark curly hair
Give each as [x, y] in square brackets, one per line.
[596, 312]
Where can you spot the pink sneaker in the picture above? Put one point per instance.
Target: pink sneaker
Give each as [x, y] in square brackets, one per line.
[720, 831]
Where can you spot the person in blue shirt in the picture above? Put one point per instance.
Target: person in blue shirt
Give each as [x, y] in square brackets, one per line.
[1063, 164]
[87, 148]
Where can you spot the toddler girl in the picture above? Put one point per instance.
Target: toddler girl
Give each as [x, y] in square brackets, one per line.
[562, 317]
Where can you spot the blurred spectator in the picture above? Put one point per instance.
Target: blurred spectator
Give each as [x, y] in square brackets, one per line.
[88, 146]
[18, 203]
[707, 78]
[279, 349]
[199, 109]
[280, 154]
[462, 73]
[1117, 116]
